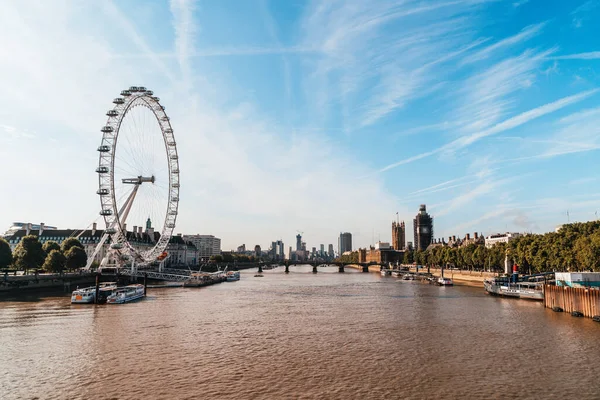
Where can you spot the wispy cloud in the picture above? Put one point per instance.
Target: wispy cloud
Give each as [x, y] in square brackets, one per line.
[592, 55]
[525, 34]
[520, 3]
[485, 187]
[185, 29]
[582, 13]
[505, 125]
[225, 52]
[372, 69]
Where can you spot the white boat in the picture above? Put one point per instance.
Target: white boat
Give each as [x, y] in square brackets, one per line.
[233, 276]
[444, 281]
[198, 279]
[88, 295]
[126, 294]
[386, 272]
[397, 274]
[520, 289]
[84, 295]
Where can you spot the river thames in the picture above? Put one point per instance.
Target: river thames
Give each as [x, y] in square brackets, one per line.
[298, 336]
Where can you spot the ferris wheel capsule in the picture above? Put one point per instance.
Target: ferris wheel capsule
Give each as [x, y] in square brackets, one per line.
[118, 100]
[125, 93]
[112, 113]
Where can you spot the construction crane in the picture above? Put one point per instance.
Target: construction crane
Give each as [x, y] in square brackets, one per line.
[300, 232]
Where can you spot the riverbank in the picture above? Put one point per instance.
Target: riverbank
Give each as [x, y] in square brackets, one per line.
[461, 277]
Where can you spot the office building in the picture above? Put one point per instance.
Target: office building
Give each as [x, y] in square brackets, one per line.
[298, 242]
[207, 245]
[331, 253]
[345, 242]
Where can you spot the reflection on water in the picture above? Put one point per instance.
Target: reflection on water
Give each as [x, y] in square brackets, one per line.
[298, 335]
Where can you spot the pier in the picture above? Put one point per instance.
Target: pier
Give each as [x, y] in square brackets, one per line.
[573, 300]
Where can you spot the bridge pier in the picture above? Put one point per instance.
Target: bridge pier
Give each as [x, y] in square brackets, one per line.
[287, 268]
[260, 270]
[314, 269]
[341, 268]
[365, 268]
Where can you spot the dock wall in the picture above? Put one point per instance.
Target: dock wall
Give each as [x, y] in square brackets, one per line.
[586, 301]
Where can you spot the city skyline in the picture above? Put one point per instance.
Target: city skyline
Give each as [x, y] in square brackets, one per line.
[298, 126]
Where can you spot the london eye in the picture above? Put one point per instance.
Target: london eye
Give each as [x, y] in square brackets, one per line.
[138, 179]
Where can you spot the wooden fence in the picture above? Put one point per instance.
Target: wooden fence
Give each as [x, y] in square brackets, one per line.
[571, 299]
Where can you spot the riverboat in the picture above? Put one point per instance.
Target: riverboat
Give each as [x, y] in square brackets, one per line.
[233, 276]
[198, 279]
[88, 295]
[397, 274]
[444, 281]
[386, 272]
[521, 290]
[126, 294]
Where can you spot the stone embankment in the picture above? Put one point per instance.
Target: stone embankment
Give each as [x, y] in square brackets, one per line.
[461, 277]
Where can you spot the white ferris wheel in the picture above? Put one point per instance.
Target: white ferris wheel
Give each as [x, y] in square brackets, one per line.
[138, 176]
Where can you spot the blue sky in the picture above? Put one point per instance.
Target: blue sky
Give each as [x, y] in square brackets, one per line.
[313, 116]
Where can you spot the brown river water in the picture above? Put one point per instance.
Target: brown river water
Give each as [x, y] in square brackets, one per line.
[298, 336]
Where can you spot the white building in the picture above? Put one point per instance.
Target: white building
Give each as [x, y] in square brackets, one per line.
[382, 246]
[500, 238]
[181, 252]
[207, 245]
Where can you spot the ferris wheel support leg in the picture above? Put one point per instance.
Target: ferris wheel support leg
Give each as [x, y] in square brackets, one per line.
[96, 251]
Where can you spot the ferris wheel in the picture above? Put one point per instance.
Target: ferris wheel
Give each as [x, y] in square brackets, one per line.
[138, 177]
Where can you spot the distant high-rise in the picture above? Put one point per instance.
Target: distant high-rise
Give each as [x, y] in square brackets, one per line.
[423, 229]
[345, 242]
[298, 242]
[257, 251]
[331, 253]
[322, 253]
[398, 235]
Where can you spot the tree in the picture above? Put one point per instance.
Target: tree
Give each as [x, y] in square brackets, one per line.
[49, 246]
[55, 261]
[29, 253]
[70, 242]
[75, 258]
[6, 257]
[408, 257]
[217, 258]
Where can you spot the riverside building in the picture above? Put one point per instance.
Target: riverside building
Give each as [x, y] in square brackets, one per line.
[500, 238]
[398, 235]
[207, 245]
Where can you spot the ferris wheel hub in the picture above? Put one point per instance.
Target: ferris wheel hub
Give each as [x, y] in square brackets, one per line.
[139, 180]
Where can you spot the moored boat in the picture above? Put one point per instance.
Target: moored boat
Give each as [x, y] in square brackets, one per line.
[84, 295]
[197, 280]
[126, 294]
[522, 290]
[88, 295]
[386, 272]
[397, 274]
[442, 281]
[233, 276]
